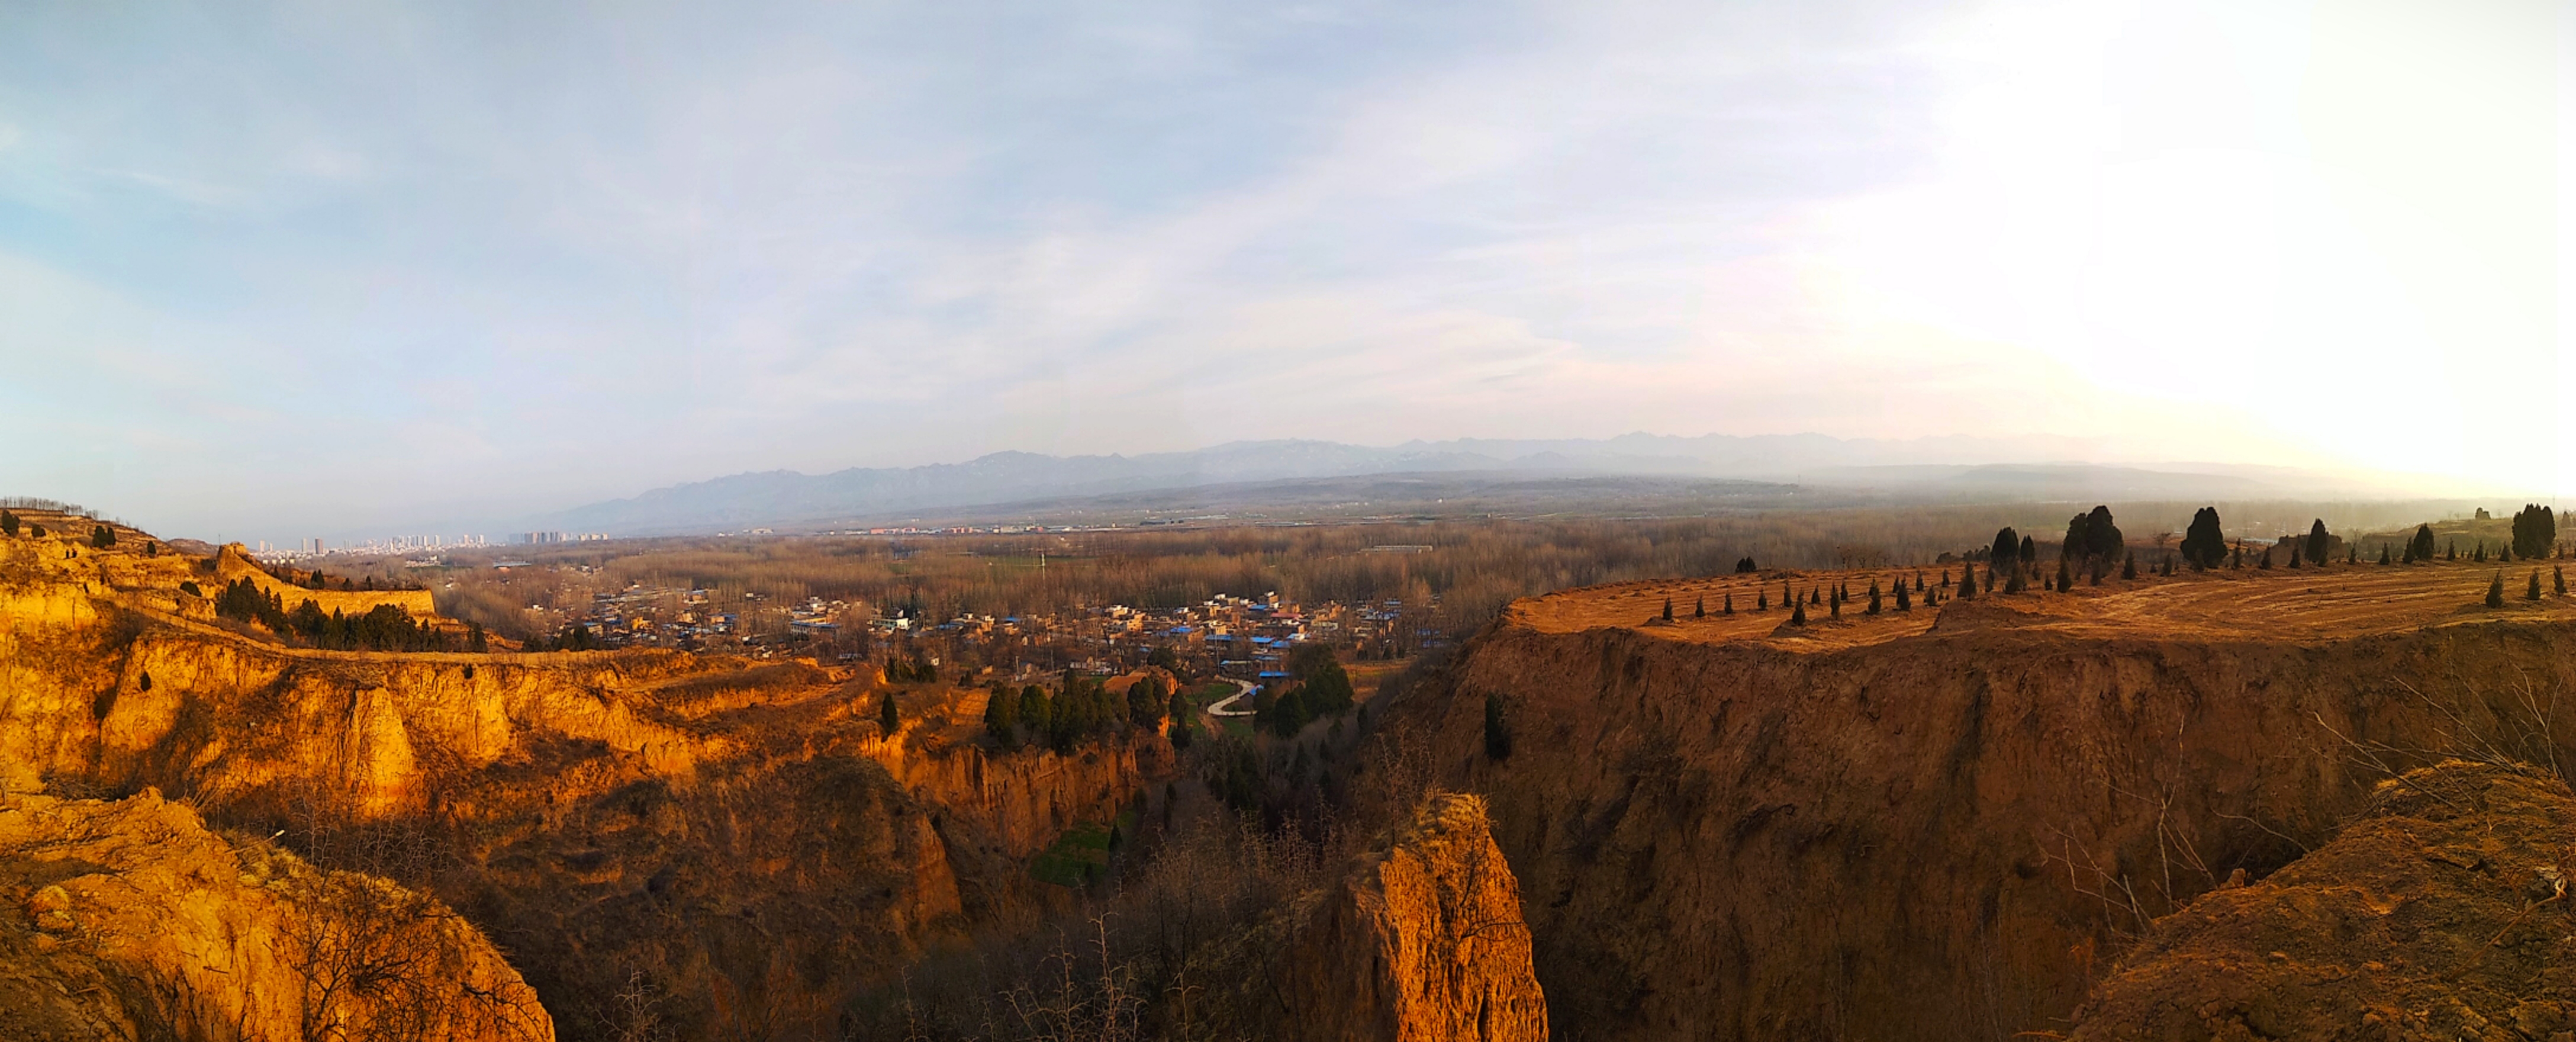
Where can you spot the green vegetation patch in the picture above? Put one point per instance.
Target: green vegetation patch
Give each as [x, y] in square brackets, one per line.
[1078, 856]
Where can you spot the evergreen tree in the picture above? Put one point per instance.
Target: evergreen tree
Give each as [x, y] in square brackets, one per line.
[2317, 542]
[1967, 584]
[1699, 608]
[1798, 616]
[475, 641]
[2129, 566]
[2352, 553]
[8, 524]
[1904, 599]
[1873, 597]
[1180, 732]
[2030, 554]
[1668, 609]
[1918, 582]
[2007, 548]
[2266, 564]
[1037, 710]
[2420, 548]
[1837, 608]
[886, 714]
[1745, 566]
[1730, 605]
[1814, 597]
[2533, 593]
[1001, 713]
[2013, 582]
[2451, 552]
[2065, 579]
[2481, 557]
[2383, 553]
[101, 536]
[2203, 544]
[2239, 560]
[1761, 601]
[2295, 555]
[2535, 531]
[2495, 591]
[2558, 579]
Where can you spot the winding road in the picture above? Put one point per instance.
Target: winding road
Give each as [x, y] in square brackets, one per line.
[1241, 689]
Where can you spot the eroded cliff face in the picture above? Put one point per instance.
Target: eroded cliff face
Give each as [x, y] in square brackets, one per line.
[1422, 941]
[129, 919]
[742, 841]
[2442, 912]
[1938, 836]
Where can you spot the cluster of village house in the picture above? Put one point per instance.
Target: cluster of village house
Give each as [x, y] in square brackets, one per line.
[1243, 637]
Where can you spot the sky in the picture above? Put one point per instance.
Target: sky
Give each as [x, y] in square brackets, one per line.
[268, 269]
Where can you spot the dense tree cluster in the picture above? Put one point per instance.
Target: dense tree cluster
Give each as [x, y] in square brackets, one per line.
[2204, 545]
[901, 669]
[384, 627]
[2094, 542]
[2535, 532]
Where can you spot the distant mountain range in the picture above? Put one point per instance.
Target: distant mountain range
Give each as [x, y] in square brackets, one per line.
[1668, 472]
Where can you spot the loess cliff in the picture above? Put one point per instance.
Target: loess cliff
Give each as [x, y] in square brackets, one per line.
[1945, 823]
[127, 919]
[733, 847]
[1421, 942]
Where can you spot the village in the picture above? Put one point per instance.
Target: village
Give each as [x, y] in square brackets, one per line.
[1224, 636]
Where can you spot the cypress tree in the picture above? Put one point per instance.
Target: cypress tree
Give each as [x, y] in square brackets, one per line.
[1668, 609]
[1730, 605]
[2065, 578]
[2481, 556]
[1873, 596]
[1837, 608]
[475, 641]
[1814, 597]
[2129, 566]
[2533, 593]
[2420, 548]
[2295, 556]
[1761, 601]
[1904, 598]
[2007, 549]
[2558, 579]
[2013, 582]
[2030, 554]
[886, 713]
[2317, 542]
[2239, 560]
[2495, 591]
[1798, 617]
[1967, 584]
[2383, 553]
[2266, 564]
[2452, 551]
[1699, 608]
[1918, 581]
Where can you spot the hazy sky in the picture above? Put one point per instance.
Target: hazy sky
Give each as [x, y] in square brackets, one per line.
[316, 266]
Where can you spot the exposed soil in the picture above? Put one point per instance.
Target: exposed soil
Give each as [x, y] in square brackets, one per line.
[2442, 912]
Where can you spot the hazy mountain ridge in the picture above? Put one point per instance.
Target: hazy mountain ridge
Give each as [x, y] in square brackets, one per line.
[1940, 468]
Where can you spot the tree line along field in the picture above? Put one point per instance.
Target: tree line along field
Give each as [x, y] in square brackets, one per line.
[2316, 587]
[1473, 568]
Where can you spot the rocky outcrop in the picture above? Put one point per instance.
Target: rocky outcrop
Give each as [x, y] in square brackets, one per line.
[1935, 836]
[2442, 912]
[128, 919]
[1420, 941]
